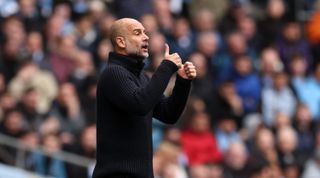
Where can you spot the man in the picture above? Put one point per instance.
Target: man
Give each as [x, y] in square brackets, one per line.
[127, 100]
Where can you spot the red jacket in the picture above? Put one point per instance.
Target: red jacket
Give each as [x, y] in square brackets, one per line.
[200, 148]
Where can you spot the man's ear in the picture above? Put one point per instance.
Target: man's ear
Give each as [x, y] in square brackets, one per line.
[121, 42]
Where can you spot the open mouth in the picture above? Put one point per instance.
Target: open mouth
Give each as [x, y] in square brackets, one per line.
[145, 47]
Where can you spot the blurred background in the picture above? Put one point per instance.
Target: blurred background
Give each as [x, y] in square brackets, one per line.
[254, 109]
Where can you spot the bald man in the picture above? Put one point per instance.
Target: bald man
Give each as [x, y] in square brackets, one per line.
[127, 100]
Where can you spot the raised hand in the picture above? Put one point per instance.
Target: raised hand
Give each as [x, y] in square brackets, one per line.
[175, 58]
[188, 71]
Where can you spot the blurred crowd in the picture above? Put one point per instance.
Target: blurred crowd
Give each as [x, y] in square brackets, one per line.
[254, 110]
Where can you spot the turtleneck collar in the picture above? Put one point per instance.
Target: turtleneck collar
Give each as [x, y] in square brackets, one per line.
[132, 64]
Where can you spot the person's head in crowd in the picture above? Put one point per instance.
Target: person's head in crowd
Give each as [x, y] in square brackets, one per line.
[104, 25]
[181, 27]
[84, 24]
[303, 116]
[67, 94]
[270, 61]
[30, 139]
[227, 89]
[149, 21]
[236, 156]
[203, 21]
[172, 135]
[27, 8]
[34, 42]
[102, 51]
[128, 37]
[169, 152]
[13, 123]
[199, 122]
[291, 31]
[156, 46]
[13, 30]
[66, 46]
[236, 43]
[247, 26]
[282, 120]
[243, 65]
[207, 44]
[163, 14]
[286, 140]
[62, 10]
[194, 105]
[53, 29]
[201, 64]
[7, 102]
[227, 124]
[97, 9]
[88, 140]
[30, 100]
[298, 66]
[264, 140]
[280, 80]
[51, 143]
[50, 125]
[276, 9]
[199, 171]
[84, 65]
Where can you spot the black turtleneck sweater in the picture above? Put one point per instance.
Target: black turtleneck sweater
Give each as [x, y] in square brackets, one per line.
[126, 102]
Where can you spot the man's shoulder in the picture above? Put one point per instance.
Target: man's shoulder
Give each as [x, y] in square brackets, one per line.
[113, 69]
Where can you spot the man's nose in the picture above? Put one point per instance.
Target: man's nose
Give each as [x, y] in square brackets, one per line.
[145, 37]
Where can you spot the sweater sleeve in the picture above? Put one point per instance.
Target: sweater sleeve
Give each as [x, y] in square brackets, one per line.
[169, 109]
[124, 93]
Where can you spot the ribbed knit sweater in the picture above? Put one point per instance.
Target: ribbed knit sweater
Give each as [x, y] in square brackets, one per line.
[126, 102]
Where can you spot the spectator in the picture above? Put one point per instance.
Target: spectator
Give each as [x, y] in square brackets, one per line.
[208, 45]
[265, 147]
[42, 81]
[287, 148]
[247, 84]
[13, 123]
[67, 110]
[278, 98]
[149, 21]
[181, 39]
[308, 91]
[36, 49]
[270, 63]
[202, 85]
[227, 102]
[28, 107]
[235, 167]
[50, 166]
[306, 129]
[236, 47]
[30, 15]
[292, 42]
[226, 133]
[198, 142]
[271, 25]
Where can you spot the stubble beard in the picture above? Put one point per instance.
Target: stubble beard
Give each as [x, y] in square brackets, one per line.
[135, 51]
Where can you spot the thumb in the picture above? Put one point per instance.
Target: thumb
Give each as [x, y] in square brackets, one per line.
[166, 52]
